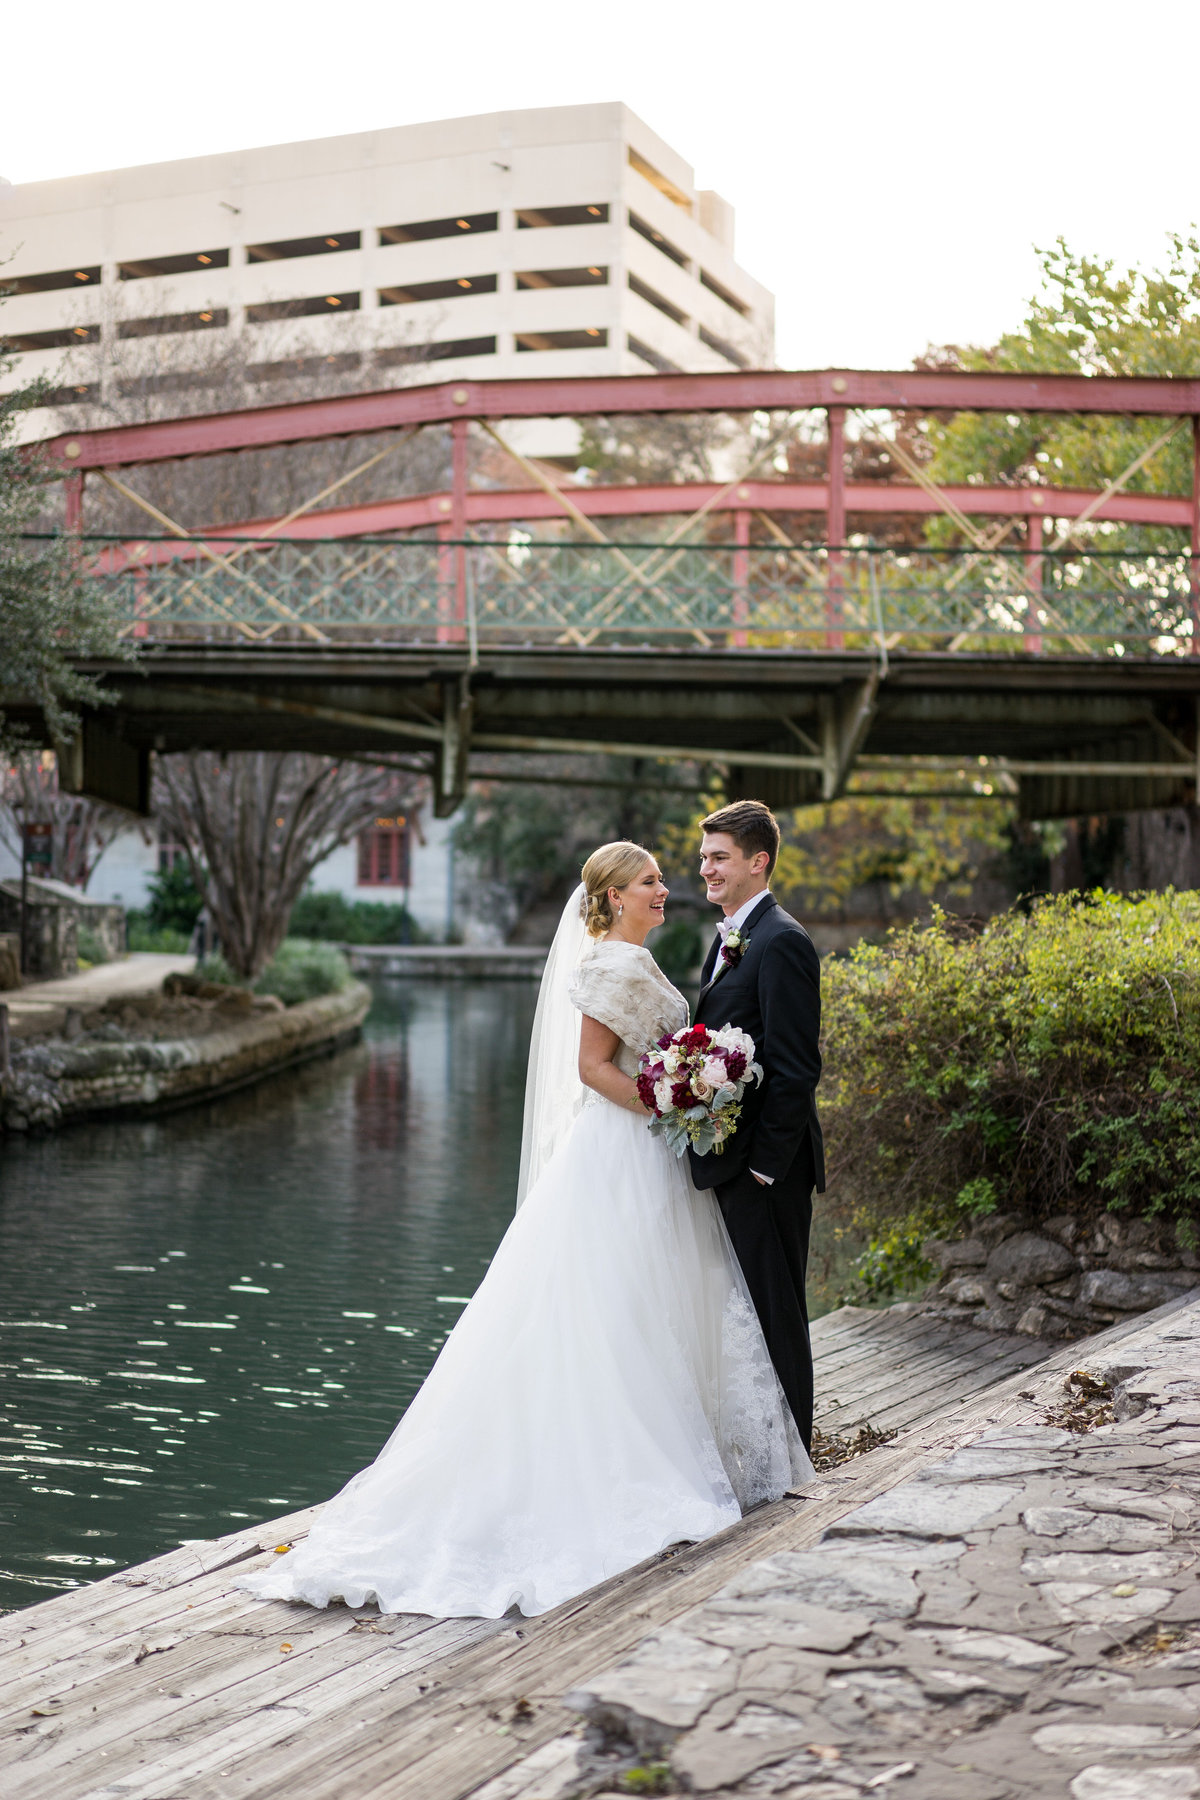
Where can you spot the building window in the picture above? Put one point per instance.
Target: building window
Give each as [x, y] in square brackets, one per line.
[71, 396]
[534, 218]
[438, 228]
[592, 339]
[171, 853]
[593, 276]
[166, 323]
[453, 289]
[645, 292]
[298, 368]
[658, 240]
[172, 381]
[268, 310]
[67, 339]
[724, 348]
[173, 265]
[309, 246]
[656, 178]
[59, 278]
[383, 854]
[723, 293]
[399, 355]
[655, 358]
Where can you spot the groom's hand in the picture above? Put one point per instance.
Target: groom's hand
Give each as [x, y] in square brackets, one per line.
[761, 1180]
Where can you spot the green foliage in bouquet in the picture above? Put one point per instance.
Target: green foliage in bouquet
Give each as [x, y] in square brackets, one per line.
[1048, 1063]
[299, 970]
[696, 1128]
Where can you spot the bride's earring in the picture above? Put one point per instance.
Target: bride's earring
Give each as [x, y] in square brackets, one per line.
[620, 909]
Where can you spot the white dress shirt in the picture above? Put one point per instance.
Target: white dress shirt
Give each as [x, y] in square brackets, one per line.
[734, 922]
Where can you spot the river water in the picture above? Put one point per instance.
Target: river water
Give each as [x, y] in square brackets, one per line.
[217, 1317]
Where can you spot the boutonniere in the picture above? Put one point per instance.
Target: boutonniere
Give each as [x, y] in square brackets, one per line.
[734, 948]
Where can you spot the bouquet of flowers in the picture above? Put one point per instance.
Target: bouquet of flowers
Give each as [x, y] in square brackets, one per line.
[693, 1082]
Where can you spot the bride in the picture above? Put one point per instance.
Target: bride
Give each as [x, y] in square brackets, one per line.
[608, 1391]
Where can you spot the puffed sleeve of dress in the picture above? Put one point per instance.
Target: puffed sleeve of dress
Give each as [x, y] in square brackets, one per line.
[615, 986]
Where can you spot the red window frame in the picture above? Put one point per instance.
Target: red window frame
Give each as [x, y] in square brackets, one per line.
[383, 855]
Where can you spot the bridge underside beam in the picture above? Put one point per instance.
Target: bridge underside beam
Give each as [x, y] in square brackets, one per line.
[1067, 735]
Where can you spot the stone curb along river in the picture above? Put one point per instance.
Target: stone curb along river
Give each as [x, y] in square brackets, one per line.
[55, 1083]
[1020, 1619]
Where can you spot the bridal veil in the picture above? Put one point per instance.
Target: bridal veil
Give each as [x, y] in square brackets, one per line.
[553, 1090]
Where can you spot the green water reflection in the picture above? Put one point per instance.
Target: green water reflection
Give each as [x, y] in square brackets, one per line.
[217, 1317]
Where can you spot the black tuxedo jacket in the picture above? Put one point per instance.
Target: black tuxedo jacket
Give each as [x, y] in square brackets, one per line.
[774, 993]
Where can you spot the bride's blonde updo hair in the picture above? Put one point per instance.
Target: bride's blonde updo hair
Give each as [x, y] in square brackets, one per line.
[612, 865]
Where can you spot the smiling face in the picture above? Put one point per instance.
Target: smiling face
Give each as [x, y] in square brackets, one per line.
[643, 899]
[731, 876]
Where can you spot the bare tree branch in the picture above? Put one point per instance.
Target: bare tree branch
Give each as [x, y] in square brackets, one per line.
[254, 826]
[81, 829]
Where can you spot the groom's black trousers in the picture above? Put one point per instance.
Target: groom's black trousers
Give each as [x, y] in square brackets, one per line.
[770, 1228]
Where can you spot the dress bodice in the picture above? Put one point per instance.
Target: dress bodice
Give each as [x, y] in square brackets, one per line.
[623, 987]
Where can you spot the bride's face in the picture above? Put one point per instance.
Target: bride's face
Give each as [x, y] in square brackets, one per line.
[643, 899]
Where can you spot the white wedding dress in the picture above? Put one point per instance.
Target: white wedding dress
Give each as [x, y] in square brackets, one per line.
[606, 1393]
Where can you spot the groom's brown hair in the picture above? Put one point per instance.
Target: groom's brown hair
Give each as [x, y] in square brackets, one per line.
[750, 824]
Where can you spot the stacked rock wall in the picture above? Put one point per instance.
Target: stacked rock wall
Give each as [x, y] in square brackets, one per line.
[1061, 1277]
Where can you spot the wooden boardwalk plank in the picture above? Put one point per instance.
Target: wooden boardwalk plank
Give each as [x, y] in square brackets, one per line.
[939, 1373]
[406, 1707]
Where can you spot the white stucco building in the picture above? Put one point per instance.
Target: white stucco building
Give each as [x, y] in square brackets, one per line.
[557, 241]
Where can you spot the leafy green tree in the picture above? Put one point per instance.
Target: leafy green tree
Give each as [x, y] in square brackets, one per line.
[255, 824]
[895, 846]
[1089, 318]
[173, 900]
[50, 615]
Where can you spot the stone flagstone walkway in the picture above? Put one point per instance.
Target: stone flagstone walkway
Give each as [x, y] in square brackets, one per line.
[1021, 1619]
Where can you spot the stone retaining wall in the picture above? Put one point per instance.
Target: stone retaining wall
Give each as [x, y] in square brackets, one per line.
[454, 962]
[1060, 1277]
[57, 1082]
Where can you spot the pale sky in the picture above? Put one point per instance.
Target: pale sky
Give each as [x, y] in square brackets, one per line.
[892, 164]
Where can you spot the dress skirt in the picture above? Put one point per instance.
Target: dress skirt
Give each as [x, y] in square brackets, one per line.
[606, 1393]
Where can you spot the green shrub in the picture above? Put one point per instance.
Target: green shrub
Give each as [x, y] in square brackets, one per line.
[1048, 1063]
[300, 970]
[678, 949]
[173, 901]
[140, 936]
[332, 917]
[893, 1263]
[90, 946]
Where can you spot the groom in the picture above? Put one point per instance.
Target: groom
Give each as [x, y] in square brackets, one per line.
[763, 975]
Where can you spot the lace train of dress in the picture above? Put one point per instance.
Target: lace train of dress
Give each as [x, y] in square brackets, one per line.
[606, 1393]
